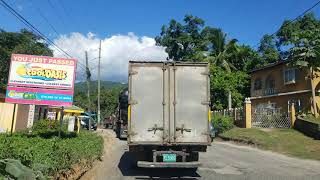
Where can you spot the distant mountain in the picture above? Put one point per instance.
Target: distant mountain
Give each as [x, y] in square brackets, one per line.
[82, 86]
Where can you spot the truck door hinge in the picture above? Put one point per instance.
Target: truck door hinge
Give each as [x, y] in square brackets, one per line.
[205, 102]
[131, 72]
[206, 73]
[132, 102]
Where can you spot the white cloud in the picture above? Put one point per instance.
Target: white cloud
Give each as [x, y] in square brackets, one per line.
[116, 51]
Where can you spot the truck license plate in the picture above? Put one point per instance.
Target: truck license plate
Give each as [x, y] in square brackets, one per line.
[169, 157]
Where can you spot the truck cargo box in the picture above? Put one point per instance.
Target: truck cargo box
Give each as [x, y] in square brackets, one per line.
[168, 103]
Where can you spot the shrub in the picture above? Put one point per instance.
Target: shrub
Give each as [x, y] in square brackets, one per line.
[45, 124]
[51, 155]
[222, 123]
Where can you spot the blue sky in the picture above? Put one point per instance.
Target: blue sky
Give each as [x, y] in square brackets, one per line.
[127, 27]
[246, 20]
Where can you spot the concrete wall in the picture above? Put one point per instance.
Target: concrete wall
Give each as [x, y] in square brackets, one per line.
[21, 120]
[20, 117]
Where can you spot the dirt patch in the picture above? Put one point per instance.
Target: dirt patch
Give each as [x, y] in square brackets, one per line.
[109, 142]
[78, 170]
[75, 172]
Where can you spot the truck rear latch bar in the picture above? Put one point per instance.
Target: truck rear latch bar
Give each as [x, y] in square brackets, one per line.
[155, 128]
[182, 129]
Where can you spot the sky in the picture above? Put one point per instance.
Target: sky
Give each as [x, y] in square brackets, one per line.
[127, 27]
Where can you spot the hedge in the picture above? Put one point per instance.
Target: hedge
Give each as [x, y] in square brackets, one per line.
[44, 151]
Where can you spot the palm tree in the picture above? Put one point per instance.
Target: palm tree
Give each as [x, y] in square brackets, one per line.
[221, 53]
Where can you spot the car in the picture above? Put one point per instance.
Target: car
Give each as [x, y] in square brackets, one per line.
[84, 121]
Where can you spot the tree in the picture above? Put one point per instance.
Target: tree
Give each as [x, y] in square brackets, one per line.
[23, 42]
[221, 83]
[194, 41]
[268, 49]
[301, 38]
[221, 53]
[183, 42]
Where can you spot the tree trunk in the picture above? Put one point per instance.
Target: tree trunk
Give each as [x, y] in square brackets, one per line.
[229, 100]
[314, 103]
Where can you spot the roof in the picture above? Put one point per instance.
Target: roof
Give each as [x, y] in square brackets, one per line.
[72, 109]
[269, 66]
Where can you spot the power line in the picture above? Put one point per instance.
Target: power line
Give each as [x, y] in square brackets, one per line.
[46, 19]
[34, 29]
[55, 10]
[290, 21]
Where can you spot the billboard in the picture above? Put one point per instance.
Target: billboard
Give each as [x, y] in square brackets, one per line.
[41, 80]
[42, 71]
[38, 96]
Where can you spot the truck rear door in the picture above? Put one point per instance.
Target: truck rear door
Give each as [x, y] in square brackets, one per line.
[190, 103]
[145, 103]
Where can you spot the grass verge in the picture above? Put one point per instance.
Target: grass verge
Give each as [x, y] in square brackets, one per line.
[285, 141]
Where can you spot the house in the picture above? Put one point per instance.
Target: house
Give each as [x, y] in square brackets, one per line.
[278, 85]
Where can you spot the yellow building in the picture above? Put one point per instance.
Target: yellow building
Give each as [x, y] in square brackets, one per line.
[278, 84]
[68, 111]
[14, 117]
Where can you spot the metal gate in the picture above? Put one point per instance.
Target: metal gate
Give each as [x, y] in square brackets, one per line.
[270, 118]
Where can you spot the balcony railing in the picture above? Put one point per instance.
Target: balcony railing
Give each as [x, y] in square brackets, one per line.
[263, 92]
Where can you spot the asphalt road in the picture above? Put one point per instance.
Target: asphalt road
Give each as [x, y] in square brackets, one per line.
[221, 161]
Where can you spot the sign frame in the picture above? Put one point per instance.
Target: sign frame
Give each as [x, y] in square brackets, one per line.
[44, 58]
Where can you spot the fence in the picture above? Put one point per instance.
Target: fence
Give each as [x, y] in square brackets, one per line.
[236, 114]
[270, 118]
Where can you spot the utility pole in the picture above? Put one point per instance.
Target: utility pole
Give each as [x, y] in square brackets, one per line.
[99, 117]
[88, 88]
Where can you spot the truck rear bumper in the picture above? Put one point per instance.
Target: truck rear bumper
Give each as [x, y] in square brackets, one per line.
[146, 164]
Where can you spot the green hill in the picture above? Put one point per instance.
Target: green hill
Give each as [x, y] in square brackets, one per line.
[82, 86]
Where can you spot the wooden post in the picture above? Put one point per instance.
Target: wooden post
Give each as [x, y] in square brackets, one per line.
[247, 112]
[292, 114]
[61, 121]
[235, 114]
[13, 118]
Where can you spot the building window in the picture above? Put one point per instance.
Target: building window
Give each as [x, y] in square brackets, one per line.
[290, 76]
[270, 82]
[257, 84]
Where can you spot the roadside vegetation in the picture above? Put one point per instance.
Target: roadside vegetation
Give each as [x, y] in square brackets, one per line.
[221, 123]
[285, 141]
[43, 152]
[312, 119]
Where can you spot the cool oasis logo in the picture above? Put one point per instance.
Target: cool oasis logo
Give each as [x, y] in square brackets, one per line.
[36, 72]
[22, 95]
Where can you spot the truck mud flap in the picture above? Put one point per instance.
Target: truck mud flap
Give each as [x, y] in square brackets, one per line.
[146, 164]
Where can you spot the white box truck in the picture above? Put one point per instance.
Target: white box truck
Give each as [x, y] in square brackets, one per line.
[168, 113]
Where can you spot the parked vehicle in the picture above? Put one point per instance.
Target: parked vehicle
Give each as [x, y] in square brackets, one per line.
[122, 117]
[169, 113]
[84, 121]
[109, 122]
